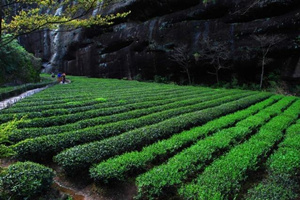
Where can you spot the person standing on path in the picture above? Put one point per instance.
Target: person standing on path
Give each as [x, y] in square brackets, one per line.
[59, 78]
[64, 77]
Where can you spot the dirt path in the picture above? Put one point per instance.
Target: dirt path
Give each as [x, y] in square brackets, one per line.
[82, 188]
[8, 102]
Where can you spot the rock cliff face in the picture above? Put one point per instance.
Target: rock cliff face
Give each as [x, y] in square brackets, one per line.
[141, 45]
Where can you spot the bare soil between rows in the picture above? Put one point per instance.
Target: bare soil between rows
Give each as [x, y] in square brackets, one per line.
[82, 187]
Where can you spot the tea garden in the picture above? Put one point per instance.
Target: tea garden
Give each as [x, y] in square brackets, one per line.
[173, 141]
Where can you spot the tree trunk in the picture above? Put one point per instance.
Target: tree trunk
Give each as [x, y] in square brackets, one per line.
[189, 76]
[217, 70]
[217, 75]
[1, 17]
[262, 72]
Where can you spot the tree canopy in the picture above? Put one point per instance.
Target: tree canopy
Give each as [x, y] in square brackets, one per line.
[18, 17]
[17, 65]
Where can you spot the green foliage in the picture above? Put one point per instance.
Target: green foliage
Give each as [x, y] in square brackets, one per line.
[124, 112]
[6, 129]
[96, 115]
[283, 169]
[25, 180]
[208, 1]
[285, 161]
[6, 152]
[11, 91]
[35, 16]
[100, 99]
[49, 143]
[273, 83]
[83, 156]
[122, 101]
[59, 112]
[231, 169]
[298, 39]
[17, 65]
[161, 79]
[117, 168]
[160, 179]
[295, 90]
[158, 124]
[69, 198]
[273, 189]
[138, 77]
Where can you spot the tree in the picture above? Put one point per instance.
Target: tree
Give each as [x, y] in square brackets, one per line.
[247, 8]
[266, 42]
[19, 17]
[17, 65]
[216, 53]
[180, 55]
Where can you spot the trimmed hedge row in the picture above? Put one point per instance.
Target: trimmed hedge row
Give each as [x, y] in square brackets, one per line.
[68, 102]
[268, 113]
[119, 167]
[221, 180]
[77, 91]
[71, 118]
[81, 157]
[84, 95]
[36, 102]
[188, 162]
[22, 134]
[49, 145]
[291, 140]
[111, 104]
[104, 108]
[80, 89]
[102, 86]
[163, 179]
[283, 167]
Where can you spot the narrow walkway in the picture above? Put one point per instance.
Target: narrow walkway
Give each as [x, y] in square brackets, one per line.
[8, 102]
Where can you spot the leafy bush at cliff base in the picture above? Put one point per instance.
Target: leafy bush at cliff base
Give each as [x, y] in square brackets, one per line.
[25, 180]
[17, 65]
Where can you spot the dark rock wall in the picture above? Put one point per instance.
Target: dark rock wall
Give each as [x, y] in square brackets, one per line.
[142, 43]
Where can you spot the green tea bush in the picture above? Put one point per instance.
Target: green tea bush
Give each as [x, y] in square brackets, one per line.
[71, 118]
[188, 162]
[25, 180]
[117, 168]
[231, 169]
[83, 156]
[6, 130]
[97, 117]
[283, 169]
[51, 144]
[273, 189]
